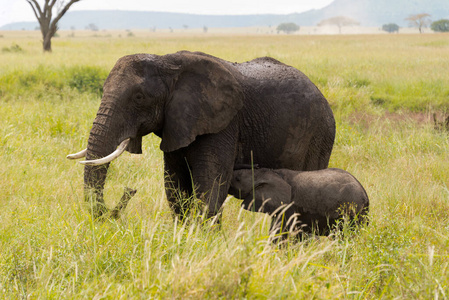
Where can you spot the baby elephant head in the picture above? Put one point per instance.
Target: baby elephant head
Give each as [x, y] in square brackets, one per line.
[261, 190]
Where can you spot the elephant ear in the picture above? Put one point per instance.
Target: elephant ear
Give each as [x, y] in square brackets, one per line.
[269, 185]
[205, 99]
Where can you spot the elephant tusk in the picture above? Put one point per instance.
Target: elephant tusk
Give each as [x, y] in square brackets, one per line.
[101, 161]
[80, 154]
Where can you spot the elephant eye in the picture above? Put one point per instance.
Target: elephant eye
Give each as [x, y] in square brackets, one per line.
[139, 96]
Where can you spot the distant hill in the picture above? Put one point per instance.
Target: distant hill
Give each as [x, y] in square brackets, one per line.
[110, 19]
[367, 12]
[379, 12]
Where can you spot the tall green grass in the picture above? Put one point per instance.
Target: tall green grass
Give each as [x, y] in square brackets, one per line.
[51, 249]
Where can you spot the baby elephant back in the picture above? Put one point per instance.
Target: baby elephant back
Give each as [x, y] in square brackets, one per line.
[329, 193]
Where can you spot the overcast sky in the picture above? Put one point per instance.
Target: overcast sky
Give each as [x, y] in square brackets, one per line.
[19, 10]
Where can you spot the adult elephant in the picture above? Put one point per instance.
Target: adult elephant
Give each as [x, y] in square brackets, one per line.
[211, 115]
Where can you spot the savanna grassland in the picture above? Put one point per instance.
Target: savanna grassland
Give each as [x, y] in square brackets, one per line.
[383, 90]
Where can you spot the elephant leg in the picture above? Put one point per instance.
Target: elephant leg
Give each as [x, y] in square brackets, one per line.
[202, 171]
[178, 185]
[319, 153]
[211, 160]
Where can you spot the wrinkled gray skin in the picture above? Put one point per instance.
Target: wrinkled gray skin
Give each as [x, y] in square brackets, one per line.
[210, 114]
[321, 198]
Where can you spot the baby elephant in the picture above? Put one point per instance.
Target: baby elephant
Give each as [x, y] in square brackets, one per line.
[318, 199]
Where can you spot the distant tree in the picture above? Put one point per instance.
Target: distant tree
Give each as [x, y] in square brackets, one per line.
[440, 25]
[185, 26]
[391, 27]
[339, 21]
[420, 20]
[44, 15]
[92, 27]
[287, 27]
[205, 29]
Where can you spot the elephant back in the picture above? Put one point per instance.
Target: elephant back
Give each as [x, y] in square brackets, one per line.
[286, 122]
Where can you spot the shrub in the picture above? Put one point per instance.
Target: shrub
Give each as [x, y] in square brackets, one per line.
[44, 81]
[390, 28]
[92, 27]
[87, 79]
[14, 48]
[440, 25]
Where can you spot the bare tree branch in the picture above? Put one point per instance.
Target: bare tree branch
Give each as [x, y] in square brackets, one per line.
[50, 7]
[48, 25]
[34, 9]
[63, 11]
[36, 6]
[47, 10]
[37, 11]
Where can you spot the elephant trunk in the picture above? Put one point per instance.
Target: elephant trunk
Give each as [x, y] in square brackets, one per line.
[107, 132]
[94, 180]
[102, 142]
[95, 176]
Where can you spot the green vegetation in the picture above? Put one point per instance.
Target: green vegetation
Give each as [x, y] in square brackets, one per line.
[13, 48]
[287, 27]
[440, 25]
[383, 90]
[390, 27]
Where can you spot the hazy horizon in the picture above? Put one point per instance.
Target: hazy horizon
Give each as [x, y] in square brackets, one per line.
[20, 11]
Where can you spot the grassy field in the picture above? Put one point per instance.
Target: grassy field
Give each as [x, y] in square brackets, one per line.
[383, 90]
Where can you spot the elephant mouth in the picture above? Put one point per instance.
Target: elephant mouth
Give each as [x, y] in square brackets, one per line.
[135, 145]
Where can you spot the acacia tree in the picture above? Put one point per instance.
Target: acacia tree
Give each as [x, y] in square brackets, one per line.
[44, 15]
[287, 27]
[339, 21]
[419, 20]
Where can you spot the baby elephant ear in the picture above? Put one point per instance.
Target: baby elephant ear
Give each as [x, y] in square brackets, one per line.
[270, 185]
[205, 99]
